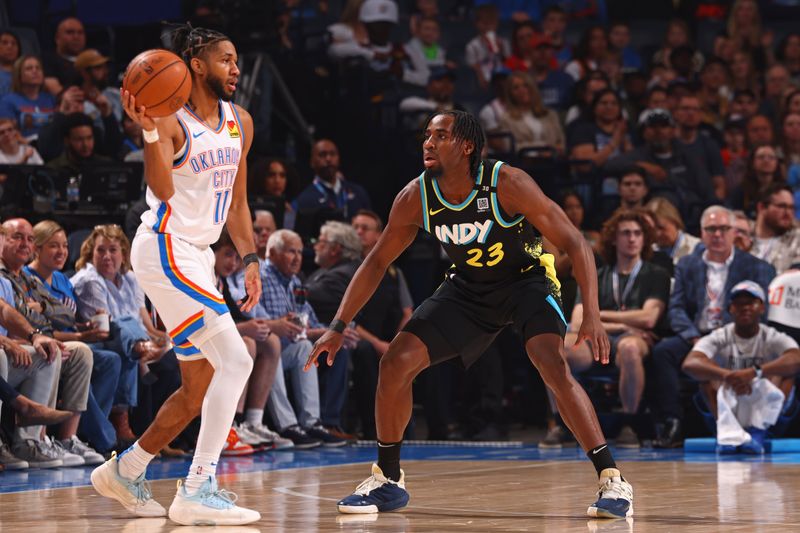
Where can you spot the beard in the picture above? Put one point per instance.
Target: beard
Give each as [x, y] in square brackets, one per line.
[435, 172]
[217, 86]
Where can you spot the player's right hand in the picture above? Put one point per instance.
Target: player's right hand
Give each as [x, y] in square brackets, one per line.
[138, 114]
[330, 342]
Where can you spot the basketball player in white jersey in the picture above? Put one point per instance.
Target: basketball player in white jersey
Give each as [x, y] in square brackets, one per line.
[196, 182]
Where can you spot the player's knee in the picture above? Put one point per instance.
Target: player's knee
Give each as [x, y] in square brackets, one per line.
[628, 354]
[401, 367]
[554, 369]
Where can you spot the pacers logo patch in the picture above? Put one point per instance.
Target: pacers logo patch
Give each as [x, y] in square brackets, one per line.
[233, 129]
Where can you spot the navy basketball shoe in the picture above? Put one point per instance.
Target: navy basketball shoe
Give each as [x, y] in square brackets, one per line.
[377, 494]
[614, 497]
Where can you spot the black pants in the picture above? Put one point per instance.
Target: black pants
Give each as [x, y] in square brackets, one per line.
[668, 355]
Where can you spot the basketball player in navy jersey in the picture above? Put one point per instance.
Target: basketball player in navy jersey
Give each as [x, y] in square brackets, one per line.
[196, 182]
[488, 216]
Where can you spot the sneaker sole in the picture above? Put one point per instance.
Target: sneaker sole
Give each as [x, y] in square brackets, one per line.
[369, 509]
[594, 512]
[55, 463]
[188, 518]
[307, 446]
[103, 489]
[16, 466]
[334, 444]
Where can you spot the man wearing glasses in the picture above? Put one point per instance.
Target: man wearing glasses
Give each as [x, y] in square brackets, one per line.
[777, 239]
[698, 305]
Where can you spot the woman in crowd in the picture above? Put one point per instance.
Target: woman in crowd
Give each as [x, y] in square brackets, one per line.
[677, 35]
[530, 123]
[28, 103]
[670, 236]
[10, 51]
[763, 168]
[591, 49]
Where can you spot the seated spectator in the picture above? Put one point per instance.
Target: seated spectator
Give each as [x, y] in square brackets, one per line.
[440, 89]
[554, 25]
[100, 99]
[671, 238]
[605, 135]
[79, 148]
[132, 142]
[293, 320]
[672, 170]
[792, 104]
[10, 51]
[744, 231]
[591, 49]
[759, 131]
[656, 98]
[422, 9]
[632, 189]
[380, 320]
[699, 303]
[585, 92]
[424, 52]
[677, 35]
[44, 312]
[264, 348]
[530, 123]
[777, 82]
[744, 75]
[745, 30]
[619, 41]
[70, 39]
[337, 252]
[521, 45]
[111, 381]
[747, 372]
[28, 103]
[734, 153]
[329, 190]
[744, 104]
[348, 37]
[487, 51]
[788, 53]
[784, 300]
[104, 282]
[489, 115]
[273, 181]
[777, 235]
[632, 294]
[107, 141]
[713, 92]
[789, 150]
[554, 84]
[763, 169]
[14, 150]
[699, 142]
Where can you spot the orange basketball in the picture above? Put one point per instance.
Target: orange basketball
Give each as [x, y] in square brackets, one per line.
[159, 80]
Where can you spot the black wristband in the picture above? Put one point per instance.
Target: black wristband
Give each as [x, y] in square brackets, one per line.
[33, 333]
[338, 326]
[250, 258]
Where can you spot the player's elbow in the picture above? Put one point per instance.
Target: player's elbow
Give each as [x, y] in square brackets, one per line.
[163, 191]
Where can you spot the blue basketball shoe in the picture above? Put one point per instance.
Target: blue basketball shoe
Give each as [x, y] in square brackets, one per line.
[377, 494]
[614, 497]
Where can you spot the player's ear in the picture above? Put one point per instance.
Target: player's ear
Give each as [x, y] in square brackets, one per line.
[469, 147]
[197, 65]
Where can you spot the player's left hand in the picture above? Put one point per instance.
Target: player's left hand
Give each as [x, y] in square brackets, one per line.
[593, 333]
[252, 284]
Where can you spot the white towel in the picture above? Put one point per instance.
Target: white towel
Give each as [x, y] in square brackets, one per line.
[759, 409]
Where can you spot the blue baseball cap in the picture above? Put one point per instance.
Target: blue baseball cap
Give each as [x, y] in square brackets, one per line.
[748, 287]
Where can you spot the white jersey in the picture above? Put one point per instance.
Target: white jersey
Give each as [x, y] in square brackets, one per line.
[203, 173]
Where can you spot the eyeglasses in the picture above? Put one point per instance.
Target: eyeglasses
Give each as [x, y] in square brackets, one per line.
[786, 207]
[715, 229]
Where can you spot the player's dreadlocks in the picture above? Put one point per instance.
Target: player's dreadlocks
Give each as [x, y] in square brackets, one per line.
[189, 42]
[465, 128]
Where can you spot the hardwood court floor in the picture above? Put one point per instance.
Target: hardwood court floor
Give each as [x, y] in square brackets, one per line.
[463, 496]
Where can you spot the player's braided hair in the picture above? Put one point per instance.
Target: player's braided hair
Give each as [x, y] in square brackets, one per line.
[467, 128]
[189, 42]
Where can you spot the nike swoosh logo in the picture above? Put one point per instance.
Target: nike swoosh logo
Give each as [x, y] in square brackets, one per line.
[380, 445]
[431, 212]
[603, 447]
[196, 135]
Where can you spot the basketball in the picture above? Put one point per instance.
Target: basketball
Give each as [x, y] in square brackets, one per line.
[159, 80]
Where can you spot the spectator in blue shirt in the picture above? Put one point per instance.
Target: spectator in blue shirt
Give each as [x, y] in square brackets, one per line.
[9, 52]
[28, 103]
[619, 40]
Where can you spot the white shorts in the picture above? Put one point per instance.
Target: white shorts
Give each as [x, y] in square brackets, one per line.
[179, 279]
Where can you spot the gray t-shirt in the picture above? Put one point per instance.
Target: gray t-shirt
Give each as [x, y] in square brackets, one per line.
[730, 351]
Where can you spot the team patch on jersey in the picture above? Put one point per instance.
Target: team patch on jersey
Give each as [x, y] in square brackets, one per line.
[233, 129]
[464, 233]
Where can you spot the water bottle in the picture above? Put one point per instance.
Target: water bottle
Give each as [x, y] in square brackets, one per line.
[73, 193]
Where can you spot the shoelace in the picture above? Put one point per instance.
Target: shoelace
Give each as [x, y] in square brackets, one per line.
[615, 490]
[220, 498]
[368, 485]
[140, 487]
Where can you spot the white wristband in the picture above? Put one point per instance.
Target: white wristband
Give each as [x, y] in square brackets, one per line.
[150, 136]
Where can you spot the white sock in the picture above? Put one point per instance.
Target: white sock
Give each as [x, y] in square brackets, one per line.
[203, 466]
[133, 461]
[254, 417]
[225, 350]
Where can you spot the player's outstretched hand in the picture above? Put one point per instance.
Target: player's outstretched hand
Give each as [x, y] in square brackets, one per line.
[252, 284]
[138, 114]
[593, 333]
[330, 342]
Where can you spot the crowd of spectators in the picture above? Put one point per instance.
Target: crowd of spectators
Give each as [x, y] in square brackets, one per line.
[678, 159]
